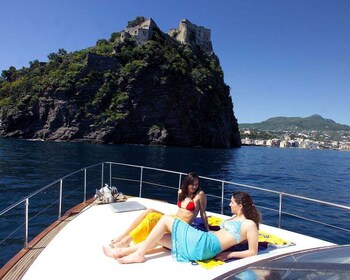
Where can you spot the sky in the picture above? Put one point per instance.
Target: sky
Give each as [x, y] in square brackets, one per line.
[280, 57]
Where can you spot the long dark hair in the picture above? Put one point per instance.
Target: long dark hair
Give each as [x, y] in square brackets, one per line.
[249, 210]
[189, 179]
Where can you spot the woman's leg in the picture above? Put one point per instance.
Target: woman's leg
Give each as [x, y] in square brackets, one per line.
[165, 241]
[165, 224]
[124, 239]
[116, 253]
[121, 251]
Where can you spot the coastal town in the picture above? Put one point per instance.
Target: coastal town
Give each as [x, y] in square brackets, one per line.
[305, 140]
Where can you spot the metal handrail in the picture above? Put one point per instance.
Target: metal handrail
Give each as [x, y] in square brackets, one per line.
[44, 188]
[141, 182]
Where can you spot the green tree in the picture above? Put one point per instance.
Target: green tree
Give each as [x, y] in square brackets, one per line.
[57, 57]
[10, 75]
[103, 47]
[114, 37]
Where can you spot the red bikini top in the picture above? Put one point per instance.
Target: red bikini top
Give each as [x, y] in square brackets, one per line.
[190, 206]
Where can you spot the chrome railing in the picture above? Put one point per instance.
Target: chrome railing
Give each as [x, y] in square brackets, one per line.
[138, 177]
[25, 201]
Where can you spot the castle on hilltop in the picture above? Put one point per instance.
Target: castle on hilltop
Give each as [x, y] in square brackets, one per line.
[141, 30]
[191, 34]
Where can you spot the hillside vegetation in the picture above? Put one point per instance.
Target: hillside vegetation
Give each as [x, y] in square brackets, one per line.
[159, 93]
[296, 124]
[314, 127]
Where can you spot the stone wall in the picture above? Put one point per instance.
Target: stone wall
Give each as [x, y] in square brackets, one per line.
[191, 34]
[142, 32]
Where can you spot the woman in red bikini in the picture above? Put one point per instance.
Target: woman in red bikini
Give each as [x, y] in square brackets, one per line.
[191, 201]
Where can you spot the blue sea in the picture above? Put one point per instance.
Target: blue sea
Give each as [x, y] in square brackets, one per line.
[26, 166]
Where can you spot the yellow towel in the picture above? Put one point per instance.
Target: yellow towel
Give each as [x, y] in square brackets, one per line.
[140, 233]
[208, 264]
[214, 221]
[272, 239]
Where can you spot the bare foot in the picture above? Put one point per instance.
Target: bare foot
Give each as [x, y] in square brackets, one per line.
[132, 258]
[119, 244]
[113, 253]
[116, 240]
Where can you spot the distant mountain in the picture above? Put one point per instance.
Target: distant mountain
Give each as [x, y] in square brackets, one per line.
[314, 122]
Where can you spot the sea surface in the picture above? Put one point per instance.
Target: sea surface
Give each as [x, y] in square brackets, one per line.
[26, 166]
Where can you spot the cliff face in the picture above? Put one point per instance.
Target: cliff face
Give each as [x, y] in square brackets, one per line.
[161, 93]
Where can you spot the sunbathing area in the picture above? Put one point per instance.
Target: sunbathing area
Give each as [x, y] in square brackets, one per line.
[76, 252]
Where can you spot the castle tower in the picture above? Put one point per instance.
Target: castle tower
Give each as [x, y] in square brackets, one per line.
[141, 32]
[191, 34]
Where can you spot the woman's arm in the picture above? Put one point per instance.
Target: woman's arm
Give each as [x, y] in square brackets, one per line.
[178, 194]
[202, 208]
[252, 238]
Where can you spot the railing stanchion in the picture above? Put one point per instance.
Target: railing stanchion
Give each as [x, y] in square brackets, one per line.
[110, 174]
[280, 211]
[222, 196]
[141, 178]
[179, 185]
[26, 224]
[60, 201]
[102, 171]
[84, 184]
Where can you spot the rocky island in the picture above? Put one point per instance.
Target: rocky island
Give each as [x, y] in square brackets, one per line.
[141, 86]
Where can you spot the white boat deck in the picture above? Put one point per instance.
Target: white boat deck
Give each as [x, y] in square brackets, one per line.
[76, 252]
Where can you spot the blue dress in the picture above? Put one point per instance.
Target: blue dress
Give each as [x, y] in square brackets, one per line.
[190, 244]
